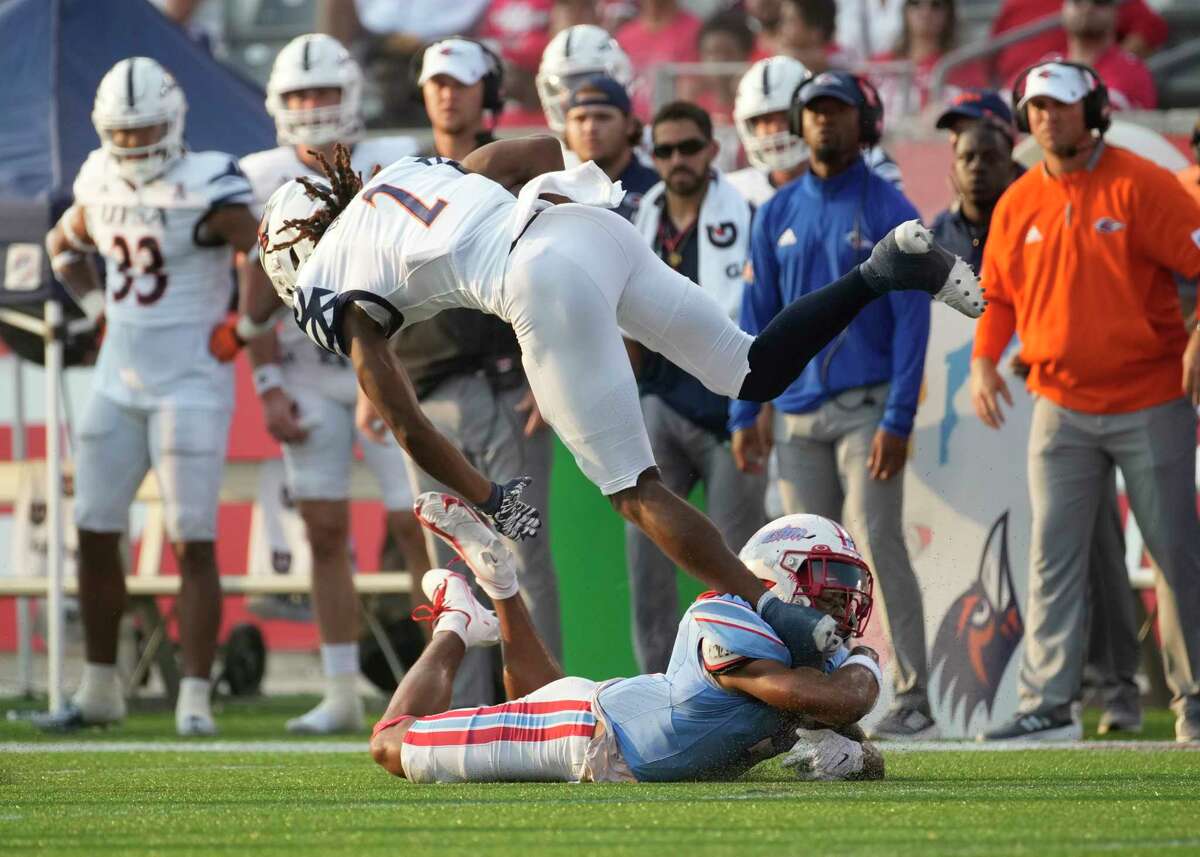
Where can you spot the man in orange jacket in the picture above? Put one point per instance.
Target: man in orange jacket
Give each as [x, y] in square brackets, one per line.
[1078, 264]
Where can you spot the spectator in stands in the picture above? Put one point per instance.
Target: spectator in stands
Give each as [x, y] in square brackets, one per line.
[724, 38]
[1140, 31]
[601, 128]
[982, 133]
[388, 36]
[928, 33]
[1091, 27]
[308, 395]
[661, 33]
[465, 366]
[1190, 176]
[700, 226]
[841, 430]
[867, 28]
[764, 20]
[570, 13]
[1127, 226]
[806, 29]
[519, 31]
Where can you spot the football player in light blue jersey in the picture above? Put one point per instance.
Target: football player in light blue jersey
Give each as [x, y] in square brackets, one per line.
[730, 698]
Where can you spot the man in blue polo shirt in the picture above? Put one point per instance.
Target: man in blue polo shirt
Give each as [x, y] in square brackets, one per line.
[841, 430]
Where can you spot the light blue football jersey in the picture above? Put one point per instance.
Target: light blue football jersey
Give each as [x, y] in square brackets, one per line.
[682, 725]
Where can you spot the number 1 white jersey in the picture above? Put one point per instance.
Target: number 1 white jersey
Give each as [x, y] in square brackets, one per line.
[159, 269]
[421, 237]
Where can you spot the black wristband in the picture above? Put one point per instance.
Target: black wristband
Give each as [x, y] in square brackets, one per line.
[491, 505]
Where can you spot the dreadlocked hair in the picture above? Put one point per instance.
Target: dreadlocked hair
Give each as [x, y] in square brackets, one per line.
[344, 185]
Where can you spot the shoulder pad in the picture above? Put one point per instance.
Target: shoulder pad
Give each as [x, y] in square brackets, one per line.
[218, 178]
[730, 624]
[92, 175]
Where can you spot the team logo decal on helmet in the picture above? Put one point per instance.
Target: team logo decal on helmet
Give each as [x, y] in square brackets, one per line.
[808, 559]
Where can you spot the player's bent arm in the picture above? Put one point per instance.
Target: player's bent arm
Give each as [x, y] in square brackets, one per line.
[70, 248]
[837, 699]
[386, 384]
[512, 163]
[233, 225]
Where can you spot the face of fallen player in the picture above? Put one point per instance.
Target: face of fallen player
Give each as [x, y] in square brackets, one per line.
[136, 138]
[453, 106]
[1058, 127]
[685, 167]
[598, 132]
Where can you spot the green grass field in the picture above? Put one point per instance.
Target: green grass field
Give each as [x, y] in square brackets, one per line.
[82, 801]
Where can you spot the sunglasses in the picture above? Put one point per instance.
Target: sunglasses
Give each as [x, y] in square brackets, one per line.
[685, 147]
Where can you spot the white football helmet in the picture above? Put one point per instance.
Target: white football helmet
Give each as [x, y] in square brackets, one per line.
[808, 559]
[575, 53]
[308, 62]
[139, 93]
[767, 87]
[290, 202]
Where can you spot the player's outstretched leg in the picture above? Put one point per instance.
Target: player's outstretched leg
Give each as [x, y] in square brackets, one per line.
[909, 258]
[199, 624]
[528, 665]
[459, 622]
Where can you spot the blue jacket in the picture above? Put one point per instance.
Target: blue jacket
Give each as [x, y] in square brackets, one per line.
[809, 234]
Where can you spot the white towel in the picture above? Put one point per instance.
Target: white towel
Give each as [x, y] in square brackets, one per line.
[586, 184]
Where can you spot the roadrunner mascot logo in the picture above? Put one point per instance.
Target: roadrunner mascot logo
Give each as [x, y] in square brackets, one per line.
[979, 633]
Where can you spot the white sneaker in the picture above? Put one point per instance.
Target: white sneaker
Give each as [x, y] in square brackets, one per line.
[195, 725]
[454, 608]
[331, 716]
[481, 548]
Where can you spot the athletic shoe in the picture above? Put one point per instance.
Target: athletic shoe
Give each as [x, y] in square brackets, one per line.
[1187, 729]
[909, 258]
[195, 726]
[904, 723]
[332, 716]
[1037, 726]
[67, 719]
[1121, 716]
[481, 548]
[454, 608]
[293, 607]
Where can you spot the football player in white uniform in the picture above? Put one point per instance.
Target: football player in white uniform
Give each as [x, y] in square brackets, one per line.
[308, 394]
[572, 56]
[357, 264]
[167, 222]
[732, 696]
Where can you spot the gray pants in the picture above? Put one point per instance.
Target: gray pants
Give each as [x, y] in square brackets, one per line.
[1112, 649]
[1070, 454]
[685, 454]
[486, 427]
[823, 471]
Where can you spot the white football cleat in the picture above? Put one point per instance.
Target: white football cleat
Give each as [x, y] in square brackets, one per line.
[330, 717]
[195, 726]
[961, 289]
[453, 607]
[482, 549]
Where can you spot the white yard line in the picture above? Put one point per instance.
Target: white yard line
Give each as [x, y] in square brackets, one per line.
[361, 746]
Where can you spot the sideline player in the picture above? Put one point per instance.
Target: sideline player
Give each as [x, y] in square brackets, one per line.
[731, 697]
[428, 234]
[760, 114]
[166, 221]
[573, 55]
[308, 395]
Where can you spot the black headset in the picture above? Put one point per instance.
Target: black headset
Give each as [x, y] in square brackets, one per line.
[870, 107]
[493, 81]
[1097, 112]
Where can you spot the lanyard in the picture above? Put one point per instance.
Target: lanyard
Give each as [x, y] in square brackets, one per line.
[671, 245]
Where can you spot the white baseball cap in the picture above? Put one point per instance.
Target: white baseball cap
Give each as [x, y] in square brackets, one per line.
[1060, 81]
[464, 60]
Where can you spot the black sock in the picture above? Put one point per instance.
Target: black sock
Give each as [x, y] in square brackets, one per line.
[795, 336]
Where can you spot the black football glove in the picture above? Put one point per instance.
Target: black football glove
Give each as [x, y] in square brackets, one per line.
[508, 513]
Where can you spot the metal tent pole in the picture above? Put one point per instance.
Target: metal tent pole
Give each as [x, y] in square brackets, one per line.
[24, 614]
[55, 333]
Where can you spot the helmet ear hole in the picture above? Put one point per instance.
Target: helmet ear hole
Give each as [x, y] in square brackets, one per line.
[295, 258]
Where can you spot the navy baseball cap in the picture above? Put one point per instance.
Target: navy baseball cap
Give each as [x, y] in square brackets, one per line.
[978, 104]
[599, 90]
[832, 84]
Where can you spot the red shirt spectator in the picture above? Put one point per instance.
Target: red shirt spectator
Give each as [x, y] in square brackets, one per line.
[1130, 85]
[519, 30]
[662, 33]
[1135, 20]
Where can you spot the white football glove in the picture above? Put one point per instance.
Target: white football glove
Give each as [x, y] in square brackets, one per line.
[822, 754]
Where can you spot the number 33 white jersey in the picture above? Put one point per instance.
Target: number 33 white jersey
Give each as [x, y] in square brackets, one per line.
[421, 237]
[160, 269]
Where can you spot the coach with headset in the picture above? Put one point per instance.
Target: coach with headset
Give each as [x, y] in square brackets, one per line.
[1079, 264]
[841, 430]
[465, 366]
